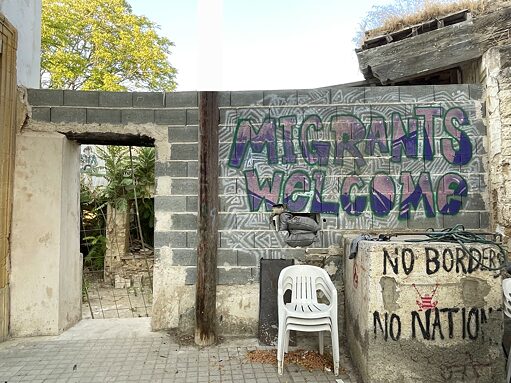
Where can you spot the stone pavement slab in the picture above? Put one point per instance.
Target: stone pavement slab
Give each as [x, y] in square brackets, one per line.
[124, 350]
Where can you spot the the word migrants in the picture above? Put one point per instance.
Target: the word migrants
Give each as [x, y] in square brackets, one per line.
[344, 136]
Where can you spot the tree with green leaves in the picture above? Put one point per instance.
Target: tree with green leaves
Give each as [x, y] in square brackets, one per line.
[102, 45]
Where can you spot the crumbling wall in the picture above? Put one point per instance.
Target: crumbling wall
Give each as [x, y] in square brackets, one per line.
[364, 159]
[497, 96]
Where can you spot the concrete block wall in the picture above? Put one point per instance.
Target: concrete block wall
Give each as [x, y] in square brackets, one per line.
[366, 159]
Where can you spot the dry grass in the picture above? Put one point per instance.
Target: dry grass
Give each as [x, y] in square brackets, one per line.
[310, 360]
[431, 10]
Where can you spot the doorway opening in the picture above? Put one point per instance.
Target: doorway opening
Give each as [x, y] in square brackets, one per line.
[117, 185]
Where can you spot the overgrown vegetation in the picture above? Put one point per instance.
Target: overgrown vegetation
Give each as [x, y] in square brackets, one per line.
[399, 14]
[127, 176]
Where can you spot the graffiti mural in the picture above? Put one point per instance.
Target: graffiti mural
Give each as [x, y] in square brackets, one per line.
[345, 163]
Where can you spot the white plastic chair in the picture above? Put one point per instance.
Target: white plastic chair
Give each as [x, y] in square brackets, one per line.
[304, 312]
[506, 289]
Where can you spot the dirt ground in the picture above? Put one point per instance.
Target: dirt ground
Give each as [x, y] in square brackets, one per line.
[101, 301]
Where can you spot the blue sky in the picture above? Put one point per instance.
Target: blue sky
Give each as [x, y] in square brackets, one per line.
[263, 44]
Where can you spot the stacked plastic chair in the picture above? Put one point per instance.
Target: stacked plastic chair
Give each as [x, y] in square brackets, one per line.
[506, 289]
[304, 312]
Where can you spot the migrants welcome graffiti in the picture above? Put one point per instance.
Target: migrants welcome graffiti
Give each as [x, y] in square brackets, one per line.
[311, 148]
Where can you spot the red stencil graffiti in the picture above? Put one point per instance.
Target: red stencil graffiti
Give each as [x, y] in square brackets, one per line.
[426, 301]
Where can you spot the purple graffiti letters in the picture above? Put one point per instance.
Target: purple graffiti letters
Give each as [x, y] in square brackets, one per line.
[314, 152]
[268, 191]
[413, 193]
[297, 183]
[450, 190]
[454, 118]
[287, 123]
[377, 135]
[382, 195]
[352, 206]
[404, 139]
[349, 131]
[429, 114]
[246, 136]
[318, 205]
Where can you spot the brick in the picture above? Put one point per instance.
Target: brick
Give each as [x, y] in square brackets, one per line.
[148, 99]
[192, 117]
[227, 221]
[470, 220]
[184, 221]
[192, 204]
[416, 93]
[171, 169]
[280, 97]
[170, 116]
[224, 98]
[193, 169]
[484, 220]
[45, 97]
[234, 276]
[181, 99]
[191, 239]
[188, 134]
[81, 98]
[170, 203]
[184, 257]
[41, 113]
[457, 92]
[246, 98]
[184, 152]
[381, 94]
[170, 238]
[63, 114]
[137, 116]
[313, 96]
[191, 276]
[227, 256]
[287, 253]
[347, 95]
[103, 116]
[115, 99]
[184, 186]
[475, 92]
[249, 257]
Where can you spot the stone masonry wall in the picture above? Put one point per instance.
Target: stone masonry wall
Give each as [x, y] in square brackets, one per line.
[365, 159]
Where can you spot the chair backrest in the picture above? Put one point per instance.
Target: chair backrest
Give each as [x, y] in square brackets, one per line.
[304, 281]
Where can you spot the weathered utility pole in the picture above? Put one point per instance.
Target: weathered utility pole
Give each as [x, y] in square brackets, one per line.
[205, 298]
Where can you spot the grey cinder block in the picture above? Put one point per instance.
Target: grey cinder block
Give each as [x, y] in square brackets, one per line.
[137, 116]
[184, 222]
[181, 99]
[45, 97]
[103, 116]
[184, 152]
[188, 134]
[184, 257]
[171, 169]
[66, 114]
[148, 99]
[41, 113]
[170, 116]
[81, 98]
[245, 98]
[115, 99]
[234, 276]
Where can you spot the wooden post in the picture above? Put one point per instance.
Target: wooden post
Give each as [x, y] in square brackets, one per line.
[205, 299]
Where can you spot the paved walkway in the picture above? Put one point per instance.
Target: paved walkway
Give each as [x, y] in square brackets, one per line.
[124, 350]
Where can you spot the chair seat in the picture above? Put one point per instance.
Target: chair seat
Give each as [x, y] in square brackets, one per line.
[307, 310]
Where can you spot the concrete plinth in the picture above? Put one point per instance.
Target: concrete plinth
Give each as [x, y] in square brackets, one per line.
[45, 255]
[424, 312]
